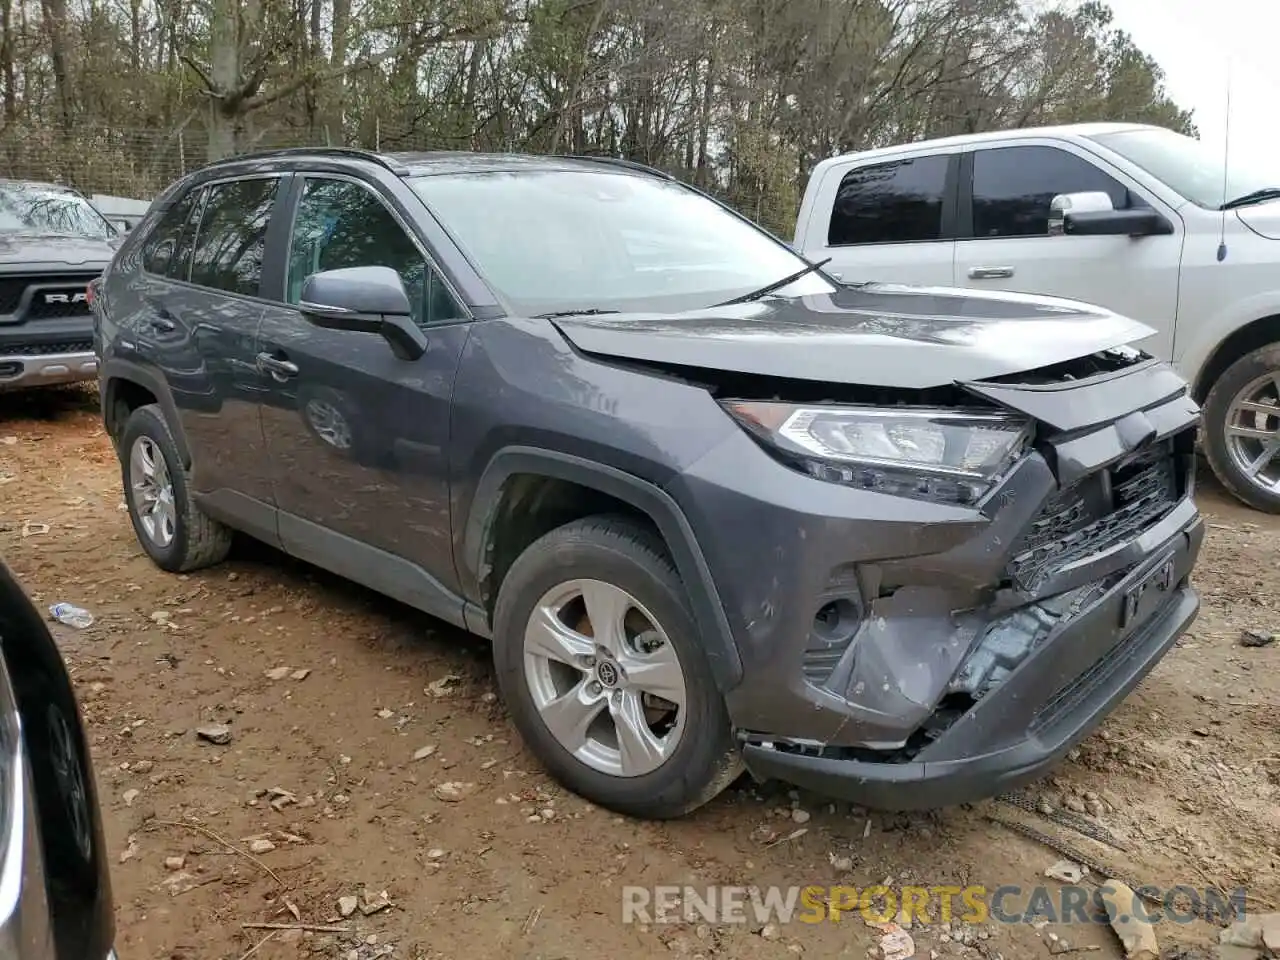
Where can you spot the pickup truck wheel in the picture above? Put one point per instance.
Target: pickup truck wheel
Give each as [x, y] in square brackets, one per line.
[172, 530]
[1242, 428]
[599, 663]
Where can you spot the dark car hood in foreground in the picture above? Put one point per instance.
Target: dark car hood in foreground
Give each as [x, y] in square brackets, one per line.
[883, 335]
[43, 248]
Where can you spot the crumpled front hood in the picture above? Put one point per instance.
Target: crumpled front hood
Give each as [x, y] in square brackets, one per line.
[43, 248]
[884, 335]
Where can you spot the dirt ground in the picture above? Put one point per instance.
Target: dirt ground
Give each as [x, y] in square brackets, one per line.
[322, 766]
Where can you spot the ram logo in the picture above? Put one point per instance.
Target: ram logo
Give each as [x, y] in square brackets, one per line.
[80, 297]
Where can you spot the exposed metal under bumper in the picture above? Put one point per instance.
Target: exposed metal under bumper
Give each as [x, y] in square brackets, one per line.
[46, 369]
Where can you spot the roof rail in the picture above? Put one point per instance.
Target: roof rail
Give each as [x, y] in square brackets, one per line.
[619, 162]
[354, 153]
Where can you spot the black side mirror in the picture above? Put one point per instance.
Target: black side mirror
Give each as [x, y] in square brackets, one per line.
[1116, 223]
[364, 300]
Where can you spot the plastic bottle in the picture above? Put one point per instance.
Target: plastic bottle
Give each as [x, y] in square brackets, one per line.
[71, 615]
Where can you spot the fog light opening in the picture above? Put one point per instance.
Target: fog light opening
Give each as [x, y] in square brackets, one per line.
[836, 622]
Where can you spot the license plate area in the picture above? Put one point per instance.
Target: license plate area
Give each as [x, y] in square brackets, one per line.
[1148, 594]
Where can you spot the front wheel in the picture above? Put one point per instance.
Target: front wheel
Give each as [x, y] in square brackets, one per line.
[1242, 428]
[600, 664]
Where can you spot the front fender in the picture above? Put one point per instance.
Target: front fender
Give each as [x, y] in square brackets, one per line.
[708, 610]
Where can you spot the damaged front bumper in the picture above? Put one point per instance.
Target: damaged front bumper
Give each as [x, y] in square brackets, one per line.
[906, 654]
[1034, 716]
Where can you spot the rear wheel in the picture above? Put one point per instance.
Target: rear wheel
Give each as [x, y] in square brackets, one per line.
[600, 664]
[1242, 428]
[173, 531]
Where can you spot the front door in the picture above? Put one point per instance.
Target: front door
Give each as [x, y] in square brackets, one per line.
[358, 438]
[1007, 245]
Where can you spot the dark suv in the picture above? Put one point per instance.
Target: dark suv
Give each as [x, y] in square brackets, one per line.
[901, 545]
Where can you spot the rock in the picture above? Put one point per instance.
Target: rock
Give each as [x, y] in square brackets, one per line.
[770, 931]
[347, 905]
[1256, 931]
[453, 791]
[423, 752]
[278, 673]
[129, 796]
[386, 714]
[143, 766]
[435, 854]
[175, 863]
[488, 697]
[841, 864]
[1136, 934]
[1257, 638]
[261, 845]
[160, 616]
[1200, 732]
[375, 904]
[896, 943]
[218, 733]
[800, 816]
[1065, 871]
[444, 686]
[1074, 804]
[1095, 807]
[300, 674]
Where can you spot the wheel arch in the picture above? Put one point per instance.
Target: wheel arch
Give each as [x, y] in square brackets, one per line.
[560, 488]
[1243, 340]
[125, 386]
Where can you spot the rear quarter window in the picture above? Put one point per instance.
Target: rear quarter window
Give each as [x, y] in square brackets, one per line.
[898, 201]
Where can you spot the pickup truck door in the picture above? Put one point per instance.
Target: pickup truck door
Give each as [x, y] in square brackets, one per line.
[887, 220]
[1004, 241]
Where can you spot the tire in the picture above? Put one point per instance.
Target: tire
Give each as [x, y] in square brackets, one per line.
[704, 758]
[1250, 374]
[197, 540]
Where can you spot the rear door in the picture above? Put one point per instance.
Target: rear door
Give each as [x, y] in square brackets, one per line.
[358, 438]
[1005, 193]
[196, 321]
[890, 220]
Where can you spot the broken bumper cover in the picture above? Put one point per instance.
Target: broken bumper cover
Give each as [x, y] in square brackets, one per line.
[1026, 725]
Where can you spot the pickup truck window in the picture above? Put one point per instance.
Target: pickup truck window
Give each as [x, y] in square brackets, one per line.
[895, 202]
[1013, 187]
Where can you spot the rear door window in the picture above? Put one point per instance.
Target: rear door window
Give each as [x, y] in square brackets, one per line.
[232, 237]
[899, 201]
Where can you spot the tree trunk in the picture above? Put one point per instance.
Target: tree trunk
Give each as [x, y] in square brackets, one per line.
[224, 73]
[7, 71]
[335, 120]
[55, 24]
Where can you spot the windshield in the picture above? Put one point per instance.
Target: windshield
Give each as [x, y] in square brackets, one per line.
[28, 208]
[560, 240]
[1190, 167]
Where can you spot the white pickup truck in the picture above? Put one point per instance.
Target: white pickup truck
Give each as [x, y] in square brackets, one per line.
[1134, 218]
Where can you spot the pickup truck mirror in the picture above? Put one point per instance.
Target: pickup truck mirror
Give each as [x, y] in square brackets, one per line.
[1093, 215]
[364, 300]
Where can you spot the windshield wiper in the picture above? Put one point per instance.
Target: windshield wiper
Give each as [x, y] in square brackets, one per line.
[585, 312]
[776, 285]
[1254, 196]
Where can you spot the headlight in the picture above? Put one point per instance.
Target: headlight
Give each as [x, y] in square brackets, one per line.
[951, 456]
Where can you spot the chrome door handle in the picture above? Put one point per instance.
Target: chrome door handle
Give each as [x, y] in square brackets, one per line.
[990, 273]
[279, 369]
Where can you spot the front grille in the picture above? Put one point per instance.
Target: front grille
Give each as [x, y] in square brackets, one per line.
[45, 296]
[38, 348]
[1101, 511]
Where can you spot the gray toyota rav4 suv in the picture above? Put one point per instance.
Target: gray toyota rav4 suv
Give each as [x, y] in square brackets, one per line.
[714, 509]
